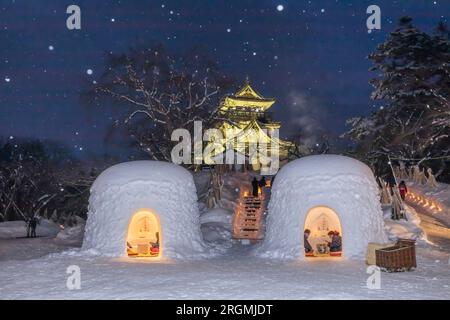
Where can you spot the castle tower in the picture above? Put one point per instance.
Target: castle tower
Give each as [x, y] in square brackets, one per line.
[247, 128]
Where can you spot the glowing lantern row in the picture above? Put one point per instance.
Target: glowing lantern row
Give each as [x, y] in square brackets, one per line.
[424, 202]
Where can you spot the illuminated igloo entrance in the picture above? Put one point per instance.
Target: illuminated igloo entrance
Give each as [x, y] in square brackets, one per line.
[323, 233]
[136, 206]
[342, 189]
[144, 235]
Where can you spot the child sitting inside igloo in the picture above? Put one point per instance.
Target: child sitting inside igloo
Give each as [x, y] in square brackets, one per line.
[308, 248]
[335, 244]
[319, 244]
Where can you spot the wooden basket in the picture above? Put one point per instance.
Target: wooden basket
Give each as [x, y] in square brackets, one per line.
[406, 242]
[401, 257]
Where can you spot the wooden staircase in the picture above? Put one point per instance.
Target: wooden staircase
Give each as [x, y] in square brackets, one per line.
[248, 218]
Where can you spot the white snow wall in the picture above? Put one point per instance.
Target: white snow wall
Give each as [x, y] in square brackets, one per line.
[165, 189]
[343, 184]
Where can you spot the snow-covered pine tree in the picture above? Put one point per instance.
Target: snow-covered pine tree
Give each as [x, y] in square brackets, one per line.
[412, 80]
[439, 122]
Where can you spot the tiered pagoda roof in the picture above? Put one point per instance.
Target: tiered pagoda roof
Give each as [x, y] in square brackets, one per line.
[247, 97]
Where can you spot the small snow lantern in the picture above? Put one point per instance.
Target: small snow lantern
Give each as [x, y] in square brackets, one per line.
[144, 209]
[331, 201]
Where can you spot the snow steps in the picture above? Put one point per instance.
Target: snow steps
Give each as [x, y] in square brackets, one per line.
[248, 219]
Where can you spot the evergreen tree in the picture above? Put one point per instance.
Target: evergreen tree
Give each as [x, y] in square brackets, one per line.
[413, 81]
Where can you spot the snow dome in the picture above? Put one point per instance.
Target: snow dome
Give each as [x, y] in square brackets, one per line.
[334, 198]
[144, 208]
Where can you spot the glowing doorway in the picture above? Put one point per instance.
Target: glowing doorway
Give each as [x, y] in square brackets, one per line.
[322, 233]
[144, 235]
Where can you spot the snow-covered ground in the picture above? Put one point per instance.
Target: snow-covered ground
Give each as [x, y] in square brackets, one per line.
[404, 229]
[232, 274]
[17, 229]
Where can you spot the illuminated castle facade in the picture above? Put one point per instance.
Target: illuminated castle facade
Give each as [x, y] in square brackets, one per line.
[246, 116]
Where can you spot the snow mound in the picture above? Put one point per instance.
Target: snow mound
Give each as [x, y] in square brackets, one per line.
[136, 171]
[325, 165]
[341, 184]
[404, 229]
[217, 215]
[216, 227]
[218, 236]
[72, 234]
[164, 189]
[18, 229]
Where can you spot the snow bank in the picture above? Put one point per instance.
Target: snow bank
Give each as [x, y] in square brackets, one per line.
[72, 234]
[435, 201]
[13, 229]
[403, 229]
[18, 229]
[217, 215]
[217, 235]
[165, 189]
[216, 225]
[345, 185]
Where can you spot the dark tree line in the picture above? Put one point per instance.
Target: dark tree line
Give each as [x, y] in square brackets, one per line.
[413, 83]
[152, 93]
[42, 178]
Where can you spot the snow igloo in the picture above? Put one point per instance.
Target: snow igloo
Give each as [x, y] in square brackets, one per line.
[144, 209]
[334, 198]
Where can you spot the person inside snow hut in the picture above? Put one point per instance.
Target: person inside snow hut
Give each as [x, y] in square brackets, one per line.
[336, 242]
[307, 245]
[154, 249]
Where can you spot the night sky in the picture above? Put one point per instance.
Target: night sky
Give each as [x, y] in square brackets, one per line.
[310, 55]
